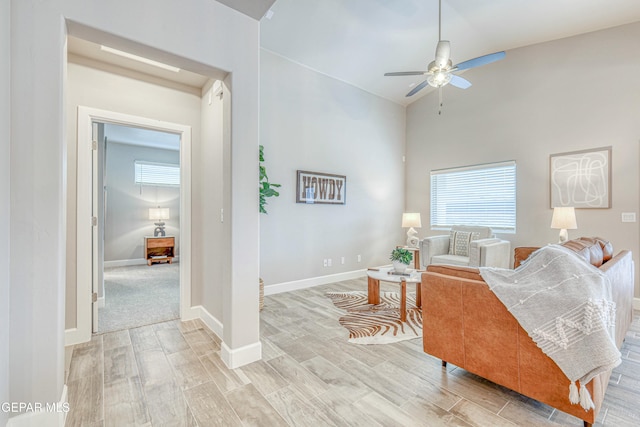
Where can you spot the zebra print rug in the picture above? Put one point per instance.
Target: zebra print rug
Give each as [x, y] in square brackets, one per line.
[378, 324]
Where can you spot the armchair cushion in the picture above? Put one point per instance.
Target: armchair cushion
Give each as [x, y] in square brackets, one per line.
[460, 241]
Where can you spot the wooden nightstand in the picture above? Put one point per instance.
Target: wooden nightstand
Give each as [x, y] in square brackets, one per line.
[159, 249]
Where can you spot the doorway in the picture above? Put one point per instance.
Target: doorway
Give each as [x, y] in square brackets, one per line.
[88, 210]
[138, 251]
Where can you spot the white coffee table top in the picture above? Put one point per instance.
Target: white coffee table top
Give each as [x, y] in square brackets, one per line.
[414, 276]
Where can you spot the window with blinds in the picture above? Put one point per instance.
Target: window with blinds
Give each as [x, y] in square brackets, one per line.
[475, 195]
[163, 174]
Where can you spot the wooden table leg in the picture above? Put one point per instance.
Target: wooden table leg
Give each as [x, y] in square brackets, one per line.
[403, 300]
[374, 291]
[418, 295]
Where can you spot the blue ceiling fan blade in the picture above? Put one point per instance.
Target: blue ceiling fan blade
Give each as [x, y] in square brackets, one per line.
[417, 88]
[458, 81]
[481, 60]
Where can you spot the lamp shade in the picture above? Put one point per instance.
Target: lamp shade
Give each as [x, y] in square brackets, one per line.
[564, 218]
[411, 220]
[159, 213]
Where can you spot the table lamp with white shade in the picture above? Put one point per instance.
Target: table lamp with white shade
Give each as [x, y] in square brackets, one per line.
[159, 214]
[564, 218]
[411, 220]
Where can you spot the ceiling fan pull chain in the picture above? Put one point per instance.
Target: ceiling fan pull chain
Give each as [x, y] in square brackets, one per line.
[440, 100]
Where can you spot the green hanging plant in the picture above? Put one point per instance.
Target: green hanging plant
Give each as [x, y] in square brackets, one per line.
[266, 188]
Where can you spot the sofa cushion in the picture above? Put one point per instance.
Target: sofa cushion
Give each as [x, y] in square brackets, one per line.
[595, 250]
[591, 251]
[607, 247]
[460, 241]
[457, 271]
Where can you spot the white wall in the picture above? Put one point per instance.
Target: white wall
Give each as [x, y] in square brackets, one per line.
[315, 123]
[219, 38]
[566, 95]
[95, 85]
[128, 203]
[5, 163]
[208, 180]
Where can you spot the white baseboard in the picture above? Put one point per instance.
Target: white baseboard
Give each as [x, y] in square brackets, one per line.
[313, 281]
[54, 416]
[124, 262]
[130, 262]
[241, 356]
[75, 336]
[233, 358]
[636, 303]
[211, 321]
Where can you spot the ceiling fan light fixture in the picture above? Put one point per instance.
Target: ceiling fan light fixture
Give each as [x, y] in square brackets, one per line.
[439, 78]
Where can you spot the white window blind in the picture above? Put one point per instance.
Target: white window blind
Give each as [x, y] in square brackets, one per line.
[149, 173]
[475, 195]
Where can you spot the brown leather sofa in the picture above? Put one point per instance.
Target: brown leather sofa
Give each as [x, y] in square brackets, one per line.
[464, 323]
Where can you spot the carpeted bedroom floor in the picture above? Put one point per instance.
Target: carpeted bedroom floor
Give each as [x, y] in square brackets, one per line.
[139, 295]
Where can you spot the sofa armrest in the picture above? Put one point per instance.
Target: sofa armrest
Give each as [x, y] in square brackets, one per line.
[620, 272]
[432, 246]
[497, 254]
[474, 250]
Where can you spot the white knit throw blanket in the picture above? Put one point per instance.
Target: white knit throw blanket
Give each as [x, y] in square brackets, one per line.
[565, 305]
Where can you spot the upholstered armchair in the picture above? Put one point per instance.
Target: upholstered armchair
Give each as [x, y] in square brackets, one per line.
[471, 246]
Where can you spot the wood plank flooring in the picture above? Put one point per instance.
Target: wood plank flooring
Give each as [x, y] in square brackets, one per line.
[171, 374]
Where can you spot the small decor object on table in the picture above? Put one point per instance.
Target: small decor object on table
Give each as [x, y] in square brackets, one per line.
[159, 214]
[410, 220]
[401, 259]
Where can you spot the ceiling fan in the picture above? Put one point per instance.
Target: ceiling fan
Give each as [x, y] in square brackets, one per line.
[440, 71]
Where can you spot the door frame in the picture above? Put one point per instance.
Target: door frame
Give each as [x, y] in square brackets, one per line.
[84, 245]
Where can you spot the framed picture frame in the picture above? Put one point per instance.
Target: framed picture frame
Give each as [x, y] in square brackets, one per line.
[581, 179]
[320, 188]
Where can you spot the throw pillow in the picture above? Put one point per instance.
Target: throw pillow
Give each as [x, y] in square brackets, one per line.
[459, 242]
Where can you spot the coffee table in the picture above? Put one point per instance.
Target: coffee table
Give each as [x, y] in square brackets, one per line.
[376, 275]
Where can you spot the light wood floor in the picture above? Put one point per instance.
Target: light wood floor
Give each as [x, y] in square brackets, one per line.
[171, 374]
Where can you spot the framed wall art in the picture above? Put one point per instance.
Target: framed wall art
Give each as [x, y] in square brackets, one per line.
[581, 179]
[323, 188]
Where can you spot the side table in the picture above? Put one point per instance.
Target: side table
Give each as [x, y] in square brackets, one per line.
[159, 249]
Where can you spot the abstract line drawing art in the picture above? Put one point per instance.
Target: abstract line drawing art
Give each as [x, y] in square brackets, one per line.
[581, 179]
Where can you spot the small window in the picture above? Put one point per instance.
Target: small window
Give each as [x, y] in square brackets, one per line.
[475, 195]
[164, 174]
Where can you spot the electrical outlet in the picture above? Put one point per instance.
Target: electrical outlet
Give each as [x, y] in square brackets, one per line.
[628, 217]
[329, 262]
[359, 258]
[342, 260]
[326, 262]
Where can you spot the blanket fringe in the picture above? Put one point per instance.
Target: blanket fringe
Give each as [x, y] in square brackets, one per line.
[585, 398]
[574, 396]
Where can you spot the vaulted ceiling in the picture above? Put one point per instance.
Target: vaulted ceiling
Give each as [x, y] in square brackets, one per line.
[357, 41]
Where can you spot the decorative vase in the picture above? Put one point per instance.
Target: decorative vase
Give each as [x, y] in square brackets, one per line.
[400, 267]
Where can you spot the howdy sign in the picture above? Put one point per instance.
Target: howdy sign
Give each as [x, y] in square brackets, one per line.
[313, 187]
